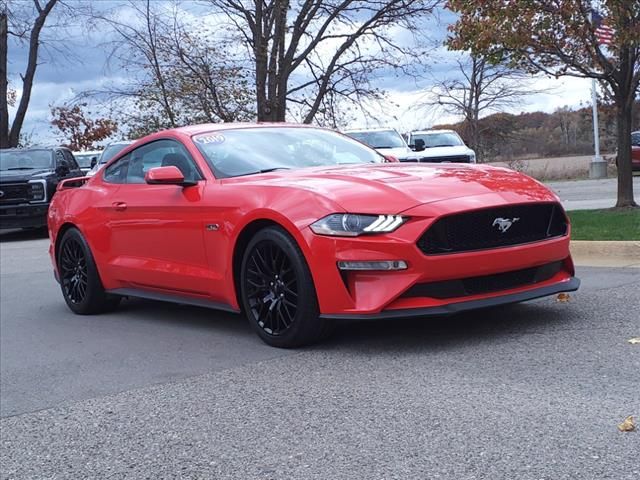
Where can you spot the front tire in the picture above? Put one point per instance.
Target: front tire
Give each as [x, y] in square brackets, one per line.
[79, 280]
[277, 291]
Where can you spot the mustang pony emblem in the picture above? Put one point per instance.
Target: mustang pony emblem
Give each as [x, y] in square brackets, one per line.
[504, 224]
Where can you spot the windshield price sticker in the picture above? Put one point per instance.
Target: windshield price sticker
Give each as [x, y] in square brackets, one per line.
[214, 139]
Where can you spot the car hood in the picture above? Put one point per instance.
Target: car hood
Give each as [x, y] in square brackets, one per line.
[398, 152]
[394, 187]
[445, 151]
[23, 175]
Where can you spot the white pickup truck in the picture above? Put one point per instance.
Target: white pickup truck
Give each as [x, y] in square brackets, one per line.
[385, 141]
[440, 146]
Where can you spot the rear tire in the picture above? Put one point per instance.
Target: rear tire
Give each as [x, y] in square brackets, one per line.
[79, 280]
[277, 292]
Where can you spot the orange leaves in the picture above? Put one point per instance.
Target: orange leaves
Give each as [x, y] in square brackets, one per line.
[81, 132]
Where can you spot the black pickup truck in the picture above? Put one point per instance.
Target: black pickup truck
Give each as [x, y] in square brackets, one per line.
[28, 180]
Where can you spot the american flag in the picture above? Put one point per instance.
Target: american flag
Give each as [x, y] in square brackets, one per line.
[604, 34]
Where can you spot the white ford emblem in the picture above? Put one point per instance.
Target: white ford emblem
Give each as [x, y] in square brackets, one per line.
[504, 224]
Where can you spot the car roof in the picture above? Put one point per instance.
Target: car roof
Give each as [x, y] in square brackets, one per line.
[426, 132]
[191, 130]
[27, 149]
[87, 152]
[363, 130]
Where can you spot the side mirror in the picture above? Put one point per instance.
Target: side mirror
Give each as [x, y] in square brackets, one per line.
[419, 145]
[170, 175]
[94, 161]
[390, 159]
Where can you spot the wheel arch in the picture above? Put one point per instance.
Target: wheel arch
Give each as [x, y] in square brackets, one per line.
[61, 231]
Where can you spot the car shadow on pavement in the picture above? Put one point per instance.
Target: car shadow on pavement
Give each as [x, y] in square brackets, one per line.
[487, 325]
[21, 235]
[404, 334]
[185, 316]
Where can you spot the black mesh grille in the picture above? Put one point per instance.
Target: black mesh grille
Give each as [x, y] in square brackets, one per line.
[14, 193]
[484, 284]
[494, 227]
[451, 158]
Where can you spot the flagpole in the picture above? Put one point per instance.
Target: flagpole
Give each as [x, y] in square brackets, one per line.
[598, 166]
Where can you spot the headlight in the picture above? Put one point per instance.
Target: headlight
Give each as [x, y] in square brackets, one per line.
[352, 225]
[472, 157]
[38, 191]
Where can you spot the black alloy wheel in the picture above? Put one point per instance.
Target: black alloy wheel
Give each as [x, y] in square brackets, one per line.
[277, 291]
[271, 286]
[74, 275]
[79, 280]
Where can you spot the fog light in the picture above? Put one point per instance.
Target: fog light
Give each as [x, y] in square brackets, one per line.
[376, 265]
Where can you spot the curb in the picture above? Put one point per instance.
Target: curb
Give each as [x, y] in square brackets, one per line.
[606, 253]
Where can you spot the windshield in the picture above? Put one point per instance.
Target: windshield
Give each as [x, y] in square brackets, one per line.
[26, 160]
[111, 151]
[84, 159]
[441, 139]
[635, 138]
[379, 139]
[246, 151]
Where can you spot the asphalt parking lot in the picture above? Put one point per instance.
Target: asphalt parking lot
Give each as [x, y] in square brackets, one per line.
[153, 390]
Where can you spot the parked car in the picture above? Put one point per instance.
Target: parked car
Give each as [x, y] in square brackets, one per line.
[107, 154]
[28, 180]
[635, 151]
[298, 226]
[87, 159]
[440, 146]
[386, 141]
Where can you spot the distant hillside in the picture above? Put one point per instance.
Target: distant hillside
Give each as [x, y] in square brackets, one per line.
[532, 135]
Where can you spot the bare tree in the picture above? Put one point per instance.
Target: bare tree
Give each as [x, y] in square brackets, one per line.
[10, 136]
[480, 88]
[312, 52]
[175, 76]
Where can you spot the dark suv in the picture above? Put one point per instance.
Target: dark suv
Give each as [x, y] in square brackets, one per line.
[28, 180]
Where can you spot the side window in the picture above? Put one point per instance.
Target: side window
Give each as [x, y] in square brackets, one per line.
[68, 156]
[117, 172]
[161, 153]
[60, 160]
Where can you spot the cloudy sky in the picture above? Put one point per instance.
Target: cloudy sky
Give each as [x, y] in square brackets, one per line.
[76, 60]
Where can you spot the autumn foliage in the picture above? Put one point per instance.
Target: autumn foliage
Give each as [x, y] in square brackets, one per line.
[81, 132]
[560, 38]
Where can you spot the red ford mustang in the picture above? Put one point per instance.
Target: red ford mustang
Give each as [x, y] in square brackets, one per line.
[298, 226]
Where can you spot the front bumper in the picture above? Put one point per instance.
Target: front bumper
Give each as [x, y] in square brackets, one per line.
[23, 216]
[390, 294]
[570, 285]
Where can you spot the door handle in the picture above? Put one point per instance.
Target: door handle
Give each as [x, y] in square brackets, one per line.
[119, 206]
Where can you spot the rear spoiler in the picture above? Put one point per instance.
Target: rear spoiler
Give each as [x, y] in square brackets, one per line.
[72, 183]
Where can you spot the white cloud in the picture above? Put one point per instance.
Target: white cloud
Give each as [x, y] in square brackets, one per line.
[402, 110]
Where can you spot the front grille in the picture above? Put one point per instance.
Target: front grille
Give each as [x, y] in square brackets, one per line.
[13, 193]
[451, 158]
[485, 284]
[493, 228]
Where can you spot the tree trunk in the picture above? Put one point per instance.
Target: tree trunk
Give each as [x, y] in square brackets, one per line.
[4, 106]
[625, 176]
[27, 82]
